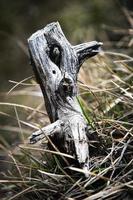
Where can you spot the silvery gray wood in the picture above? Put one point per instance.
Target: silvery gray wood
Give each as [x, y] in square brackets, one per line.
[56, 64]
[55, 127]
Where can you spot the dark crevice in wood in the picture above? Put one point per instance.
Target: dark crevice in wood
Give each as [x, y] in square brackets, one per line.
[55, 55]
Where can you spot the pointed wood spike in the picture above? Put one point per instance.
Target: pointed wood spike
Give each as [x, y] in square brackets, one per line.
[87, 50]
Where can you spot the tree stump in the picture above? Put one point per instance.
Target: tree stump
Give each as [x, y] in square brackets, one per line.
[56, 64]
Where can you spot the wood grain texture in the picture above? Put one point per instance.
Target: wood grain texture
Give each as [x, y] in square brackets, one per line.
[56, 64]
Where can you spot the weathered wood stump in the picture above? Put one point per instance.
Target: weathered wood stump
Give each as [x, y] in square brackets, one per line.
[56, 64]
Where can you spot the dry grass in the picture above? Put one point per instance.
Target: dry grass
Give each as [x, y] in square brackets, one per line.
[106, 99]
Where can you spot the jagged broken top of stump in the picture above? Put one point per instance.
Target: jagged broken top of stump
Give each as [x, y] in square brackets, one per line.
[56, 64]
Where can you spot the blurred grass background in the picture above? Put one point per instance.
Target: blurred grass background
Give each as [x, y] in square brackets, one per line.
[81, 21]
[107, 21]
